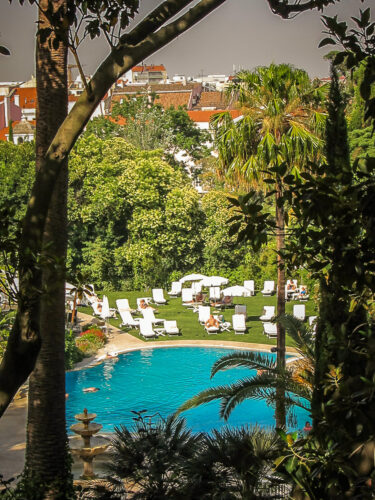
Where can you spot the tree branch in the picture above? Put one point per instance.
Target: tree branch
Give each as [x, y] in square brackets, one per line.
[154, 20]
[24, 341]
[284, 9]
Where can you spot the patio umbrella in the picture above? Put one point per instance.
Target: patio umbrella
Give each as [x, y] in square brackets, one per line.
[192, 277]
[236, 291]
[214, 281]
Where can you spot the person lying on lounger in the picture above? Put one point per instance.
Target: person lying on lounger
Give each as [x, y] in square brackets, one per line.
[212, 322]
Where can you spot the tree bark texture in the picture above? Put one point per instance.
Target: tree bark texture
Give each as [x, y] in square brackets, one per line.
[24, 343]
[280, 243]
[46, 428]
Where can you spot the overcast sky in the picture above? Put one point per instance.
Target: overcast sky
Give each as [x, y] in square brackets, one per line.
[241, 33]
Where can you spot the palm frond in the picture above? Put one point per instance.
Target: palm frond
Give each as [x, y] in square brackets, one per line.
[249, 359]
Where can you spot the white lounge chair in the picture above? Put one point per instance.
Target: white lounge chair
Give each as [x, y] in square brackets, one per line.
[105, 312]
[240, 309]
[249, 284]
[171, 327]
[187, 297]
[124, 305]
[270, 329]
[146, 330]
[203, 314]
[239, 323]
[299, 312]
[268, 313]
[268, 288]
[148, 314]
[175, 289]
[212, 329]
[96, 305]
[158, 296]
[127, 319]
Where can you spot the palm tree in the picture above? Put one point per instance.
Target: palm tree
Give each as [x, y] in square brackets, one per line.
[80, 290]
[164, 459]
[236, 463]
[297, 376]
[278, 133]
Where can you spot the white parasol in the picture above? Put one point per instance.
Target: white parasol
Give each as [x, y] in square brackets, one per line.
[236, 291]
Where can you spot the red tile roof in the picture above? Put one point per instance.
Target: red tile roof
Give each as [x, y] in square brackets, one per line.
[212, 100]
[205, 116]
[139, 69]
[27, 97]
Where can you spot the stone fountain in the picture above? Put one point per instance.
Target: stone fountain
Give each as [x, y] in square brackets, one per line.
[86, 429]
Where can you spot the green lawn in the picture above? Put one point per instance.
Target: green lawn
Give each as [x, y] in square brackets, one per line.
[187, 321]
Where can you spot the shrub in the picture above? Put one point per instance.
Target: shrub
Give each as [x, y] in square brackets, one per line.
[72, 353]
[94, 331]
[90, 341]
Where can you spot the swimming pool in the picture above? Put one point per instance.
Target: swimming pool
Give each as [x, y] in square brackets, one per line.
[159, 380]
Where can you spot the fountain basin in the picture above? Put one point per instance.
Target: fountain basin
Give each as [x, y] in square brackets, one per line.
[86, 430]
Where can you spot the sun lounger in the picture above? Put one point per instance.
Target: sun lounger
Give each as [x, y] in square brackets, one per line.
[249, 284]
[123, 304]
[240, 309]
[146, 330]
[127, 319]
[203, 314]
[148, 314]
[239, 323]
[212, 329]
[158, 296]
[171, 327]
[268, 313]
[270, 329]
[175, 289]
[299, 312]
[268, 288]
[187, 297]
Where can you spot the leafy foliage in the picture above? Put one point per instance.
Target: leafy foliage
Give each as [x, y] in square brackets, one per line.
[72, 353]
[6, 321]
[334, 205]
[148, 126]
[90, 341]
[359, 49]
[153, 455]
[163, 459]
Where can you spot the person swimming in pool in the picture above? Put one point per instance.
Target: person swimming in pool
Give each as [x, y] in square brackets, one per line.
[91, 389]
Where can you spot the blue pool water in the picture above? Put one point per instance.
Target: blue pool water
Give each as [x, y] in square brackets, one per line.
[160, 380]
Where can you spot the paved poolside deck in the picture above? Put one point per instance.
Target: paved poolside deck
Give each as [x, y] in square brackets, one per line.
[13, 423]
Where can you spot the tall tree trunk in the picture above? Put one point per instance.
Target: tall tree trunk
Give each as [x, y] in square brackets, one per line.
[146, 38]
[280, 242]
[46, 451]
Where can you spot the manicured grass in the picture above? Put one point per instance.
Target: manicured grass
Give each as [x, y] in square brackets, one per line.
[188, 323]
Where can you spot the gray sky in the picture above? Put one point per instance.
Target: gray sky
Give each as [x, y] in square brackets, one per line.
[240, 33]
